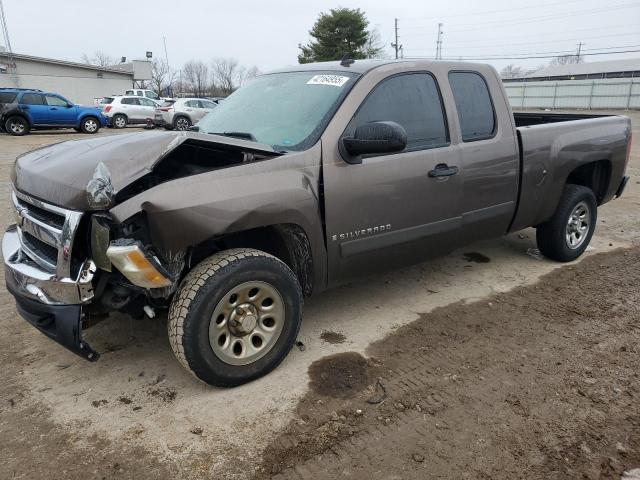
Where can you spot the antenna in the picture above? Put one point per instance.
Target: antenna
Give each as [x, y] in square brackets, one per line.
[11, 67]
[346, 60]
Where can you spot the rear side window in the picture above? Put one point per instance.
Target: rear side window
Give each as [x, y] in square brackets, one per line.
[207, 104]
[106, 101]
[412, 100]
[129, 92]
[7, 97]
[33, 99]
[191, 104]
[129, 101]
[474, 106]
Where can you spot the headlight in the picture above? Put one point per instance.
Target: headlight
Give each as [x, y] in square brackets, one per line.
[141, 269]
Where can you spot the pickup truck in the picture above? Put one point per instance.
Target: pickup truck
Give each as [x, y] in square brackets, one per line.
[304, 178]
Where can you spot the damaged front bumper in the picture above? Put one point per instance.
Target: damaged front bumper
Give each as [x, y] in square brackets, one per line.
[51, 304]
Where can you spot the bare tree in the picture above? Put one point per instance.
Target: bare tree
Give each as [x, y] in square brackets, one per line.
[162, 77]
[100, 59]
[512, 71]
[250, 74]
[195, 75]
[227, 74]
[374, 48]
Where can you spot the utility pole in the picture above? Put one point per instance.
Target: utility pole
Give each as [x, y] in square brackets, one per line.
[12, 67]
[439, 43]
[166, 60]
[396, 45]
[578, 53]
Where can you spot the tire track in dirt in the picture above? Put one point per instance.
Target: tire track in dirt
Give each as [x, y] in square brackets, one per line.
[538, 381]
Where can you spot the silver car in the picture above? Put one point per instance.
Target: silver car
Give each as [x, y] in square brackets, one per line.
[128, 109]
[182, 113]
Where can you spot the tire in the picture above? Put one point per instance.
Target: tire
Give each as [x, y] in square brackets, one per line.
[181, 123]
[206, 322]
[90, 125]
[17, 126]
[566, 235]
[119, 121]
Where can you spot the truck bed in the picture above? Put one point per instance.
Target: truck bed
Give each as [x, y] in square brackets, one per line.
[525, 119]
[553, 145]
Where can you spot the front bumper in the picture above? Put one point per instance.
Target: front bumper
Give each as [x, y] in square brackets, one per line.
[51, 304]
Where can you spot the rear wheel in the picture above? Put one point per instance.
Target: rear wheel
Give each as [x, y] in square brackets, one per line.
[235, 317]
[17, 126]
[566, 235]
[119, 121]
[90, 125]
[181, 123]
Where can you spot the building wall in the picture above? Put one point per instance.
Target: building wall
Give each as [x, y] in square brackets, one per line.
[623, 93]
[80, 85]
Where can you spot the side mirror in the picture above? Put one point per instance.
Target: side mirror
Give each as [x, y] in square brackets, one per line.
[69, 105]
[194, 128]
[375, 137]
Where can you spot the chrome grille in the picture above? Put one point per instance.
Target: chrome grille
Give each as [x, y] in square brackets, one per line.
[46, 233]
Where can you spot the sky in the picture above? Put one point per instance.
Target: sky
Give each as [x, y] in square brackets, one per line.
[266, 34]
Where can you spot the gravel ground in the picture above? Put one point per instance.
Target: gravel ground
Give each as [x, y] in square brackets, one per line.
[459, 368]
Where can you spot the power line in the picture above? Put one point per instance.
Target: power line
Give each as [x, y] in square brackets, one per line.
[488, 57]
[563, 51]
[475, 45]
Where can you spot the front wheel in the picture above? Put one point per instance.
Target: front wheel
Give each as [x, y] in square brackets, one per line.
[90, 125]
[566, 235]
[235, 317]
[119, 121]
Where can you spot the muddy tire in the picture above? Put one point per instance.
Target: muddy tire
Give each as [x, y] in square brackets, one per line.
[235, 317]
[566, 235]
[17, 126]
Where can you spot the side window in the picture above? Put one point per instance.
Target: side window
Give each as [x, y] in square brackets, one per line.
[7, 97]
[412, 100]
[192, 104]
[33, 99]
[151, 94]
[129, 101]
[207, 104]
[139, 93]
[54, 101]
[146, 102]
[473, 102]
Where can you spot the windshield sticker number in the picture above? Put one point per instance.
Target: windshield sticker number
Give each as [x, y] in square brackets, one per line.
[334, 80]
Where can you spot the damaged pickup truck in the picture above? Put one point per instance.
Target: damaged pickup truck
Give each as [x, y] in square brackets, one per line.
[302, 179]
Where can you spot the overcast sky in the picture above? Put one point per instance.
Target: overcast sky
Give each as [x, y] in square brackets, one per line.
[267, 33]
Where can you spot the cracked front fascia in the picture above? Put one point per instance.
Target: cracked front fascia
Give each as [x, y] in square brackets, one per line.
[188, 211]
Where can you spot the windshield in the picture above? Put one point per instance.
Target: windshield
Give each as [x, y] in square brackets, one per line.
[288, 111]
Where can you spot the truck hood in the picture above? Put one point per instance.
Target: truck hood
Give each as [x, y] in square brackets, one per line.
[60, 174]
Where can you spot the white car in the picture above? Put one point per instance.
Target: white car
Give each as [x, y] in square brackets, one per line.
[129, 110]
[183, 112]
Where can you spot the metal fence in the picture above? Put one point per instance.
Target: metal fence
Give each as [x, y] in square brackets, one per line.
[622, 93]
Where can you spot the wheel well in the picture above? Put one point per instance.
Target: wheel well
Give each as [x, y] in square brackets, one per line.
[7, 116]
[82, 119]
[594, 175]
[287, 242]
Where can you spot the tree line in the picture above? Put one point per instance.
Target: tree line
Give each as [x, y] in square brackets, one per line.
[217, 78]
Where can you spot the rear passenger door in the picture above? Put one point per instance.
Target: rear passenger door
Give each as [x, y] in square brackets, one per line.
[148, 108]
[489, 155]
[391, 209]
[36, 108]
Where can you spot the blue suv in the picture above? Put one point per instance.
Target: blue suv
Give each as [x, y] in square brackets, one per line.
[24, 109]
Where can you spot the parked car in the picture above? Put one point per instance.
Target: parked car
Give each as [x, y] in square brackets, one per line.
[301, 180]
[22, 110]
[129, 110]
[182, 113]
[140, 92]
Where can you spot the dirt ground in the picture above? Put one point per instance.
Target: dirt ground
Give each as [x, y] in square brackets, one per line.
[488, 363]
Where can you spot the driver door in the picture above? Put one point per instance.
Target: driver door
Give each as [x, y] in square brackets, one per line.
[390, 210]
[60, 113]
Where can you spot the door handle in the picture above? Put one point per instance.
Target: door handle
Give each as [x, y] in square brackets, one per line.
[53, 108]
[443, 170]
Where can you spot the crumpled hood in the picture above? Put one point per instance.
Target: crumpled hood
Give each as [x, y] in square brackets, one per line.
[59, 173]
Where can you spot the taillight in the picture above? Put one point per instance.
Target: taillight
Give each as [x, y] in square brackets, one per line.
[107, 109]
[164, 109]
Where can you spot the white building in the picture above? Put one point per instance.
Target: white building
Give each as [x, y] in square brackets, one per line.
[78, 82]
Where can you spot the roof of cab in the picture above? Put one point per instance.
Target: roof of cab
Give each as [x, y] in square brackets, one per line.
[363, 66]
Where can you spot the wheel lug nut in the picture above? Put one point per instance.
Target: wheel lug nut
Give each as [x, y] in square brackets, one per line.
[240, 311]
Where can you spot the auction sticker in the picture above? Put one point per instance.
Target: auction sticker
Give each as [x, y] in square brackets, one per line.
[335, 80]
